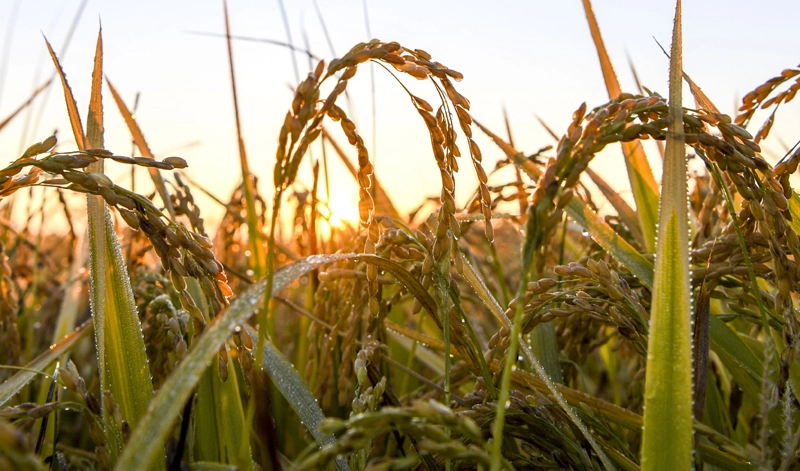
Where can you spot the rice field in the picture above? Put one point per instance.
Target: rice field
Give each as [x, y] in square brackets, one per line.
[546, 323]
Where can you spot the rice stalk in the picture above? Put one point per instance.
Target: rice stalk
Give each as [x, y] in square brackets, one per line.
[253, 226]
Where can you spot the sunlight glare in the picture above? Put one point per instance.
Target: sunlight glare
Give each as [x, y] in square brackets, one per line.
[343, 211]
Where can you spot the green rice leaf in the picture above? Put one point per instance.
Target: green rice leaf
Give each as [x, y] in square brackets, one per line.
[123, 366]
[220, 432]
[220, 424]
[615, 245]
[143, 448]
[722, 460]
[123, 362]
[14, 384]
[737, 357]
[294, 389]
[667, 439]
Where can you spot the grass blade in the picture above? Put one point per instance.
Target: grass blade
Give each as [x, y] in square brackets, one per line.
[626, 214]
[667, 438]
[220, 432]
[121, 350]
[294, 389]
[72, 105]
[743, 364]
[123, 367]
[220, 424]
[257, 257]
[143, 447]
[12, 386]
[615, 245]
[67, 317]
[643, 184]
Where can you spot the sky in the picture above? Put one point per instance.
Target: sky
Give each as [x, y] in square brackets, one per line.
[531, 58]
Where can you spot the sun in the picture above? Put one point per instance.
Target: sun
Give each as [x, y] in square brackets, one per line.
[336, 221]
[343, 211]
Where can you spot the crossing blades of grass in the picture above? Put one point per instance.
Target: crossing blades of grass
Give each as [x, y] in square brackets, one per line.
[118, 335]
[143, 447]
[221, 434]
[294, 389]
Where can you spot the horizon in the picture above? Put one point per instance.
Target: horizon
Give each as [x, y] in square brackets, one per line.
[185, 106]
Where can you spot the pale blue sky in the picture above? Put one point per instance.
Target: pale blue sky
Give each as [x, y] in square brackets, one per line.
[533, 57]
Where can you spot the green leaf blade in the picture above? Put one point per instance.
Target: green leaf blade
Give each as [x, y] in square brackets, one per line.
[14, 384]
[667, 438]
[616, 246]
[122, 359]
[125, 357]
[142, 450]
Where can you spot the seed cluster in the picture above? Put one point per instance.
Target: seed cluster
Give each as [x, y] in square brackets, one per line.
[93, 412]
[424, 419]
[182, 252]
[165, 332]
[531, 414]
[339, 302]
[589, 292]
[307, 114]
[759, 98]
[765, 191]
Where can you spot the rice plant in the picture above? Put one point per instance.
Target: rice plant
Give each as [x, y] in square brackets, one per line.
[490, 335]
